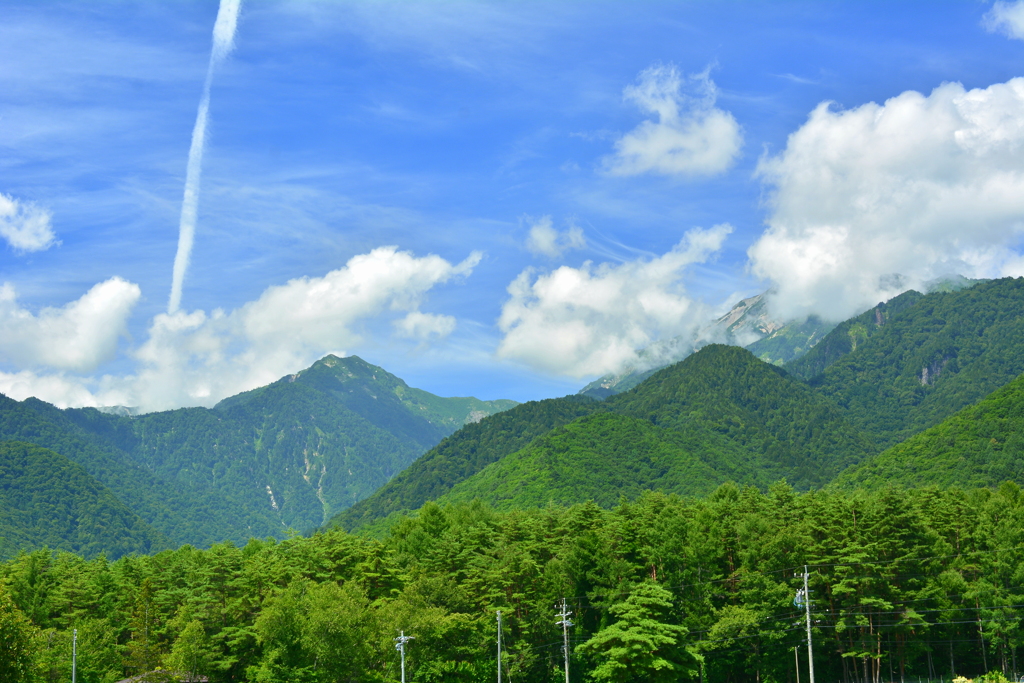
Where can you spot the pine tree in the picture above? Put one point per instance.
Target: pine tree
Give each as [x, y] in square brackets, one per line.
[640, 645]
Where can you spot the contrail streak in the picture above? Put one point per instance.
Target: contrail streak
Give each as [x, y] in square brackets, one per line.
[223, 42]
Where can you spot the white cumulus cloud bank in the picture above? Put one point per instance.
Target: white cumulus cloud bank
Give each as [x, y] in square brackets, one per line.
[545, 240]
[591, 320]
[197, 358]
[690, 136]
[25, 226]
[869, 201]
[1006, 18]
[78, 337]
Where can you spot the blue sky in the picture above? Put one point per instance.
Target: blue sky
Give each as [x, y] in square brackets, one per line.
[498, 199]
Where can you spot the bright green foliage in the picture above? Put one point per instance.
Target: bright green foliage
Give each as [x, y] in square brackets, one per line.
[794, 432]
[464, 454]
[641, 644]
[719, 415]
[16, 646]
[191, 653]
[845, 337]
[603, 457]
[46, 499]
[912, 583]
[981, 445]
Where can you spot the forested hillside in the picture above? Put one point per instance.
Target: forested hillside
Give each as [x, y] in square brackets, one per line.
[873, 381]
[285, 456]
[465, 453]
[719, 415]
[929, 360]
[904, 584]
[174, 511]
[977, 446]
[848, 335]
[603, 458]
[48, 500]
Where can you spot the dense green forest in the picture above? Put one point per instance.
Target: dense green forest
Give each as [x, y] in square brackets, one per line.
[946, 351]
[652, 513]
[288, 455]
[904, 584]
[718, 415]
[48, 500]
[980, 444]
[465, 453]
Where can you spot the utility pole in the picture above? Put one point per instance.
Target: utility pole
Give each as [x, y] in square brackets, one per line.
[796, 655]
[807, 610]
[400, 642]
[565, 623]
[499, 646]
[74, 654]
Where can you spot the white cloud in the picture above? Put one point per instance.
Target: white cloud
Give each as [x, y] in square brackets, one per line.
[591, 320]
[78, 337]
[25, 226]
[1006, 18]
[872, 200]
[198, 358]
[691, 137]
[545, 240]
[58, 389]
[418, 325]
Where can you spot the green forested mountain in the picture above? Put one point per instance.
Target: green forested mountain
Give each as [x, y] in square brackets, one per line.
[288, 455]
[465, 453]
[46, 499]
[913, 584]
[944, 352]
[981, 445]
[178, 514]
[720, 414]
[793, 431]
[845, 337]
[873, 381]
[604, 457]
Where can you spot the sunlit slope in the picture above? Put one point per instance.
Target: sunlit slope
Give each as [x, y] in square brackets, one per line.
[48, 500]
[929, 360]
[605, 457]
[303, 448]
[182, 514]
[759, 406]
[465, 453]
[982, 445]
[720, 414]
[848, 335]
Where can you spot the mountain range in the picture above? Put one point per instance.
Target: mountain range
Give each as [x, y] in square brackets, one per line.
[286, 456]
[922, 389]
[900, 368]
